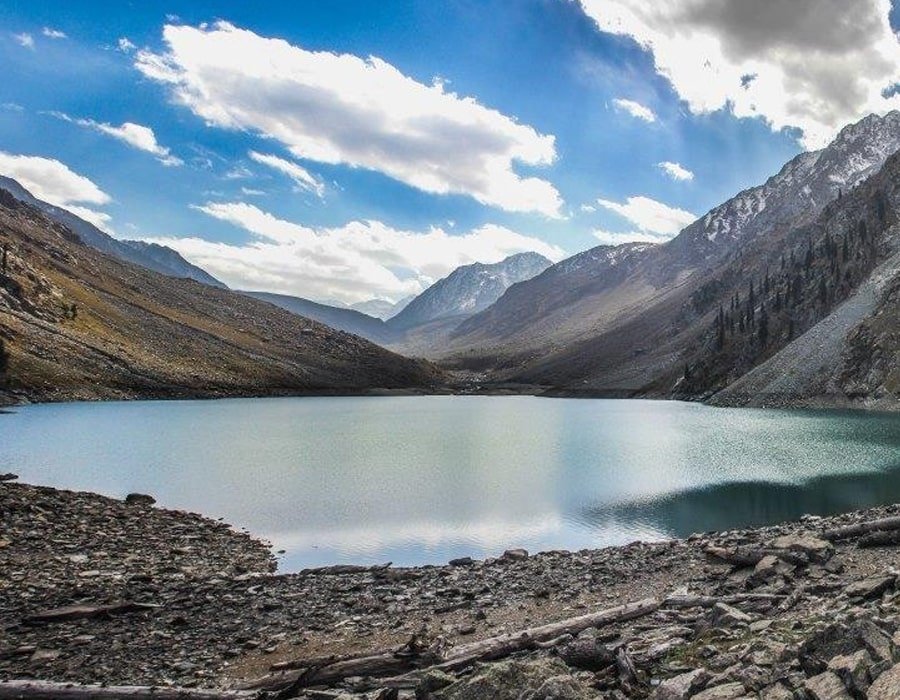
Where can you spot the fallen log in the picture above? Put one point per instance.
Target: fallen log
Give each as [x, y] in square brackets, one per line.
[395, 662]
[858, 529]
[79, 612]
[880, 538]
[46, 690]
[751, 556]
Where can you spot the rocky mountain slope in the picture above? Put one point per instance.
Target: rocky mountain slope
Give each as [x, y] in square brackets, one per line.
[150, 255]
[76, 323]
[649, 325]
[468, 290]
[348, 320]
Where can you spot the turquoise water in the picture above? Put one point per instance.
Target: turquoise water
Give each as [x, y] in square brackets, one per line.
[424, 479]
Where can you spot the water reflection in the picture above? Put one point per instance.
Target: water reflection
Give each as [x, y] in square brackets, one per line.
[425, 479]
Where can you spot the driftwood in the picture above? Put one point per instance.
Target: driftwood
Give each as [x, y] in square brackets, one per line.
[880, 538]
[45, 690]
[78, 612]
[395, 662]
[792, 599]
[751, 556]
[859, 529]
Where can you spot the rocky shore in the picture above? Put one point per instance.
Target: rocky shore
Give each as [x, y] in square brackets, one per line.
[114, 593]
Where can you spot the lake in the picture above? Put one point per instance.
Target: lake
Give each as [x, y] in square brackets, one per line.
[417, 480]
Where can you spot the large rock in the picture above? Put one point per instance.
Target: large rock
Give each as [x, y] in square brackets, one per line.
[725, 615]
[728, 691]
[816, 549]
[868, 588]
[516, 680]
[853, 670]
[826, 686]
[887, 687]
[842, 640]
[680, 687]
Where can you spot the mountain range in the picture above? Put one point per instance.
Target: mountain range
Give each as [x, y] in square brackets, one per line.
[149, 255]
[786, 294]
[77, 323]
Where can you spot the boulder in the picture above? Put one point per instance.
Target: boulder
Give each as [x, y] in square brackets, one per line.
[868, 588]
[814, 548]
[139, 499]
[727, 691]
[841, 639]
[887, 686]
[680, 687]
[725, 615]
[826, 686]
[853, 670]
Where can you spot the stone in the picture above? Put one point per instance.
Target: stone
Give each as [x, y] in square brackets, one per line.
[826, 686]
[515, 554]
[431, 681]
[462, 561]
[680, 687]
[886, 686]
[869, 588]
[775, 692]
[853, 670]
[841, 639]
[139, 499]
[813, 547]
[727, 691]
[725, 615]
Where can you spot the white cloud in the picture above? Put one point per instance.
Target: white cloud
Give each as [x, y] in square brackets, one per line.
[811, 64]
[676, 171]
[588, 208]
[51, 33]
[354, 262]
[343, 109]
[249, 192]
[302, 178]
[135, 135]
[617, 238]
[54, 182]
[125, 46]
[635, 109]
[25, 39]
[650, 216]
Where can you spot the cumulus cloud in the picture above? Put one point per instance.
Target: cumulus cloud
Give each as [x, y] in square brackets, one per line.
[351, 263]
[51, 33]
[25, 39]
[361, 112]
[811, 64]
[619, 237]
[653, 220]
[676, 171]
[302, 178]
[135, 135]
[54, 182]
[635, 109]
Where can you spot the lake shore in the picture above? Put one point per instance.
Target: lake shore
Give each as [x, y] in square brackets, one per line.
[173, 598]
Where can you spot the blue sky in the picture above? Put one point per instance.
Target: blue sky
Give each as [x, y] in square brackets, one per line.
[266, 146]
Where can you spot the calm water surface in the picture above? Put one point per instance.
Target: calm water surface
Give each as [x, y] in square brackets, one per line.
[424, 479]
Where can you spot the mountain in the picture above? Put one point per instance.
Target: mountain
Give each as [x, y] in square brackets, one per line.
[150, 255]
[626, 320]
[347, 320]
[468, 290]
[78, 324]
[381, 308]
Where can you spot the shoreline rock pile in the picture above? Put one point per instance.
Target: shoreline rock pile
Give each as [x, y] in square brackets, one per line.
[95, 590]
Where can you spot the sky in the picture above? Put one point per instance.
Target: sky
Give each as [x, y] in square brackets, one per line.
[344, 151]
